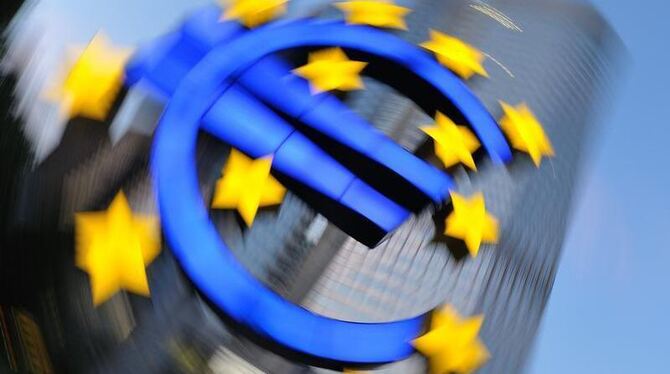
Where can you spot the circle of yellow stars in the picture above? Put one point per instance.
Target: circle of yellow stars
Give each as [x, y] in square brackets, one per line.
[115, 246]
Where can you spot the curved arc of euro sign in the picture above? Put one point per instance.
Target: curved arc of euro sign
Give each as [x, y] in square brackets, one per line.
[193, 237]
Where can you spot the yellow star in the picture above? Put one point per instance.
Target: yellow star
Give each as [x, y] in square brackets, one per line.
[331, 69]
[253, 13]
[114, 247]
[453, 144]
[525, 132]
[471, 222]
[455, 54]
[246, 185]
[93, 81]
[452, 344]
[379, 13]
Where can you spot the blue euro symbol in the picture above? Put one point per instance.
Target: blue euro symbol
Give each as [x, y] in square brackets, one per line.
[228, 81]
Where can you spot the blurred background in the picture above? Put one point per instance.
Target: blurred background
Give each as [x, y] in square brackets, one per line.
[575, 283]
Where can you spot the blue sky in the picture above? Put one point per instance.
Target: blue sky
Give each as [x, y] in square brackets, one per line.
[609, 309]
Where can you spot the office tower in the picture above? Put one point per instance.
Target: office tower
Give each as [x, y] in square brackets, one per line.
[559, 58]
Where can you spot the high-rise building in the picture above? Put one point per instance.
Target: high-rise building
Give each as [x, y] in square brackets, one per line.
[559, 57]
